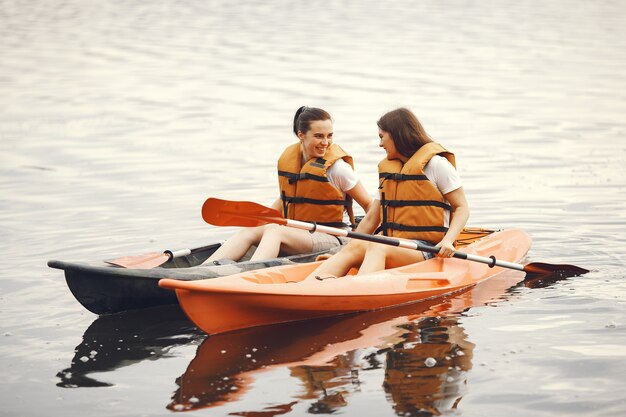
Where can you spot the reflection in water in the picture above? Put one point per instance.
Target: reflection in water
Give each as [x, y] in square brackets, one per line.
[425, 374]
[422, 348]
[328, 385]
[118, 340]
[225, 364]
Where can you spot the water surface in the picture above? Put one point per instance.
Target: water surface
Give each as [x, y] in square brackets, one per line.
[118, 119]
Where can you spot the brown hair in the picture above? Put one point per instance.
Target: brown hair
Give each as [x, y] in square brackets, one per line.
[307, 115]
[407, 132]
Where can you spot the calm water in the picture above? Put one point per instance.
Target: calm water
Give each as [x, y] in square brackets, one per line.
[119, 118]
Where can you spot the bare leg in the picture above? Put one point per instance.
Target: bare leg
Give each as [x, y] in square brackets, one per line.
[280, 238]
[374, 259]
[379, 257]
[339, 264]
[237, 246]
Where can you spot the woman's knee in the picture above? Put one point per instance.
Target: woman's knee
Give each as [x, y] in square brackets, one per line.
[253, 234]
[377, 248]
[272, 231]
[355, 247]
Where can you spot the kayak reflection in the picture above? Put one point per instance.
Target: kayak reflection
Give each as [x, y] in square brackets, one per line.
[118, 340]
[426, 372]
[421, 347]
[423, 373]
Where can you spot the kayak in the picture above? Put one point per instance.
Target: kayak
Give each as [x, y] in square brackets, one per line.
[104, 288]
[281, 294]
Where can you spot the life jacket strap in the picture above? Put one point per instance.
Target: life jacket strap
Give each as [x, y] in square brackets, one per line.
[293, 178]
[402, 177]
[406, 228]
[304, 200]
[416, 203]
[319, 163]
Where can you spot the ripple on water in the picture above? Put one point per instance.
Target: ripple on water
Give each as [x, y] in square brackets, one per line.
[119, 120]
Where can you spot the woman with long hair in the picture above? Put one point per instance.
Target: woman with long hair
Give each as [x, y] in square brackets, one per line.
[421, 198]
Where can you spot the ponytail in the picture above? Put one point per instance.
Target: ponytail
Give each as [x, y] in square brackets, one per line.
[305, 116]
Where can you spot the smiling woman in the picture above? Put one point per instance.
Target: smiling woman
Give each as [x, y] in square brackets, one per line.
[317, 139]
[317, 183]
[421, 198]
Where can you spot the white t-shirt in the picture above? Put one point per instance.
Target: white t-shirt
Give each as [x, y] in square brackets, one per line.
[443, 174]
[342, 176]
[445, 177]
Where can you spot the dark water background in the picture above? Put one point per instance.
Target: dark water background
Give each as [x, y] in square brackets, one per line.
[119, 118]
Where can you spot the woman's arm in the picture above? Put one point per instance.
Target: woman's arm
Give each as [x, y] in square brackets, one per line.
[360, 195]
[342, 175]
[458, 219]
[278, 205]
[371, 221]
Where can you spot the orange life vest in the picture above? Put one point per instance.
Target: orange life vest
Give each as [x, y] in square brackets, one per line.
[411, 205]
[305, 190]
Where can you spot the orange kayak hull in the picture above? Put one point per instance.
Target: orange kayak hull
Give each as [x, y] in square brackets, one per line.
[280, 294]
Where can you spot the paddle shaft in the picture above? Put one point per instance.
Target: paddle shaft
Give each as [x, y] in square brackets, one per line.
[407, 244]
[185, 252]
[247, 214]
[152, 260]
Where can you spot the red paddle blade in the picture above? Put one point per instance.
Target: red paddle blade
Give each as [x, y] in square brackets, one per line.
[147, 261]
[541, 268]
[239, 213]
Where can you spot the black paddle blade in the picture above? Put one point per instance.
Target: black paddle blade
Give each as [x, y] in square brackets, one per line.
[238, 213]
[561, 270]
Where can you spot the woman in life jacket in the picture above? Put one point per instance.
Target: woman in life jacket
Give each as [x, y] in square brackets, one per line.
[421, 198]
[317, 183]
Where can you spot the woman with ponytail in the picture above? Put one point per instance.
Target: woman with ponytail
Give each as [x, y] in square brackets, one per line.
[317, 183]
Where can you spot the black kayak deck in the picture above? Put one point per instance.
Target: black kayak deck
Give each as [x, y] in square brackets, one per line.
[103, 288]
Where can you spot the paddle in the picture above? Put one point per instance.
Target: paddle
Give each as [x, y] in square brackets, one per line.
[153, 259]
[247, 214]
